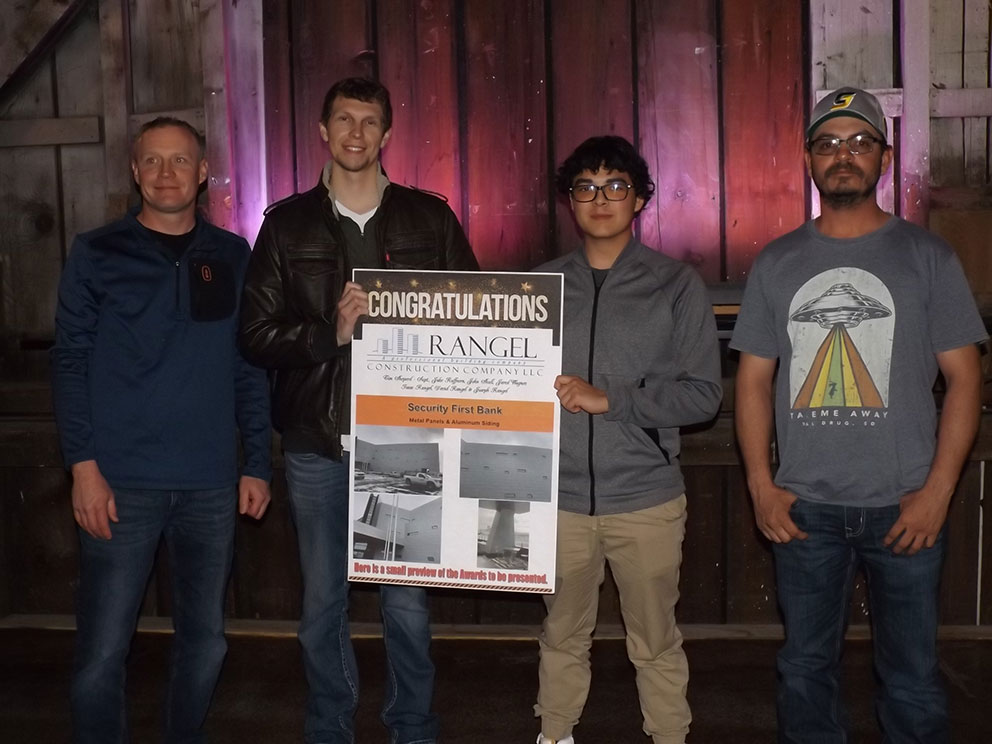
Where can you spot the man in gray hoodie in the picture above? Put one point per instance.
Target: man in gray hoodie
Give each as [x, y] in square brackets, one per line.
[640, 360]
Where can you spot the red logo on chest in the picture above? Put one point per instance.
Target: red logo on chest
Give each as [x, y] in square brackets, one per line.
[206, 274]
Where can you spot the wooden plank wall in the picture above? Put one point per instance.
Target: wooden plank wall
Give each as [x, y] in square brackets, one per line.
[484, 113]
[714, 93]
[853, 44]
[727, 573]
[763, 126]
[961, 209]
[681, 124]
[417, 43]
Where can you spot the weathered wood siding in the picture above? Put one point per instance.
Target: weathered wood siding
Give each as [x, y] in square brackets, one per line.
[727, 574]
[489, 98]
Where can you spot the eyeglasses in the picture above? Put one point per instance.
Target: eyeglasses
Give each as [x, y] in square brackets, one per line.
[612, 190]
[859, 144]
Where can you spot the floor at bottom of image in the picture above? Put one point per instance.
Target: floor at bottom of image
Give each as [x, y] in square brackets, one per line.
[485, 690]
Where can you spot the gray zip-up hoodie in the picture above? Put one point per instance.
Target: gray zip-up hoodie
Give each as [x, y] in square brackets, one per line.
[647, 337]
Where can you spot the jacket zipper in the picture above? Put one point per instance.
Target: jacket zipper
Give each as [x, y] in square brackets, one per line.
[591, 418]
[177, 287]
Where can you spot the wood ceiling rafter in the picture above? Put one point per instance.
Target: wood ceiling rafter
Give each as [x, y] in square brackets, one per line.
[31, 30]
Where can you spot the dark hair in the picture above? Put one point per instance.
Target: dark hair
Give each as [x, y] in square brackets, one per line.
[360, 89]
[171, 121]
[608, 152]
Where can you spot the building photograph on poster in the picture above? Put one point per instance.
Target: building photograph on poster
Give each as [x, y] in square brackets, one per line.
[397, 527]
[455, 429]
[397, 459]
[504, 535]
[513, 467]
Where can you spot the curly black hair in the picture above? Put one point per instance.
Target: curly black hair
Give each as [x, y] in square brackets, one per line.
[608, 152]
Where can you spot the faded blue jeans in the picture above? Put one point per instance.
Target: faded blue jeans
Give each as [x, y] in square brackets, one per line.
[198, 527]
[318, 492]
[815, 579]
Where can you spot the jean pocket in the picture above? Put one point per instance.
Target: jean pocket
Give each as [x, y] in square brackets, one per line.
[799, 513]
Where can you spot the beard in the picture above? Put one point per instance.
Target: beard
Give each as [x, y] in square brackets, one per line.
[846, 196]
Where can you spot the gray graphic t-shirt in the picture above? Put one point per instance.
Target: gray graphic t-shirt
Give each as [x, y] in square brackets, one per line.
[856, 324]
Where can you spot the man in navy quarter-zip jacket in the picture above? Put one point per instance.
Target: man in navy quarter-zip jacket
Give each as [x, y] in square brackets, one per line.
[640, 359]
[150, 392]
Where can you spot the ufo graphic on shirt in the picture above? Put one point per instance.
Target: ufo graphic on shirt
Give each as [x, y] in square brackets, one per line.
[839, 376]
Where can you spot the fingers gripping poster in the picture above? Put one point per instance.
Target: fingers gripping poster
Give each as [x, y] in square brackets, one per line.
[454, 425]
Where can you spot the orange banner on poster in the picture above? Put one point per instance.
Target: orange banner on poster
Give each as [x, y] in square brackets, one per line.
[458, 413]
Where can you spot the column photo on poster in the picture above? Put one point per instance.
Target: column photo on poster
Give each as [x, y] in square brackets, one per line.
[454, 423]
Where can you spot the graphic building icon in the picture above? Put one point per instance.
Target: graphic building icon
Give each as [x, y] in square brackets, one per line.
[839, 375]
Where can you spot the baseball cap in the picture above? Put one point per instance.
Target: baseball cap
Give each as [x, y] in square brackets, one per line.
[848, 102]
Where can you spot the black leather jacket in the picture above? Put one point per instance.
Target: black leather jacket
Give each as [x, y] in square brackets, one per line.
[295, 278]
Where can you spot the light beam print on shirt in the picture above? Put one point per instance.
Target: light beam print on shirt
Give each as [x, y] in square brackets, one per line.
[841, 325]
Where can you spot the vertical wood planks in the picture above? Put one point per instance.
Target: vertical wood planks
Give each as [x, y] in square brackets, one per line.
[946, 71]
[592, 66]
[984, 615]
[267, 581]
[968, 230]
[416, 49]
[678, 115]
[506, 153]
[976, 75]
[114, 80]
[30, 223]
[279, 148]
[702, 587]
[853, 44]
[960, 577]
[165, 54]
[217, 116]
[246, 113]
[40, 546]
[77, 66]
[750, 587]
[959, 59]
[591, 69]
[763, 103]
[331, 41]
[914, 127]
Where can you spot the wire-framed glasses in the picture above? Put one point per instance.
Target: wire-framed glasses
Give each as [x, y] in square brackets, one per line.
[859, 144]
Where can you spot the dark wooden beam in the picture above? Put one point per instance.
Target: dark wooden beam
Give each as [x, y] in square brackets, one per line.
[29, 31]
[69, 130]
[914, 132]
[116, 97]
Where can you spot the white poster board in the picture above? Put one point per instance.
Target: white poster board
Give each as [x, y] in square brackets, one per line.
[454, 422]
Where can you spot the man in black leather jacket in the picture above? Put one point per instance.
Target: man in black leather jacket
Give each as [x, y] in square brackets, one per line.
[298, 315]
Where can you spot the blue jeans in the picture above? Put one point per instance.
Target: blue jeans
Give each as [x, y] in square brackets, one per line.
[815, 579]
[198, 527]
[318, 492]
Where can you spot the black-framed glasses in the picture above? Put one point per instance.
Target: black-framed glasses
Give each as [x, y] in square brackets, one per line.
[612, 190]
[859, 144]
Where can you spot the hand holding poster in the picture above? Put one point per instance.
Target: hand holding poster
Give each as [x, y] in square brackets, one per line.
[455, 430]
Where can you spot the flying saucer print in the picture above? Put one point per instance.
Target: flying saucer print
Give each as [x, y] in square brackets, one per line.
[841, 304]
[839, 376]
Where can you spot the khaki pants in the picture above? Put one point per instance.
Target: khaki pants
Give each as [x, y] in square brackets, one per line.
[644, 549]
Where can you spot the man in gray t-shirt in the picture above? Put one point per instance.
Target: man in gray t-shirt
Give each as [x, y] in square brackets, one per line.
[858, 310]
